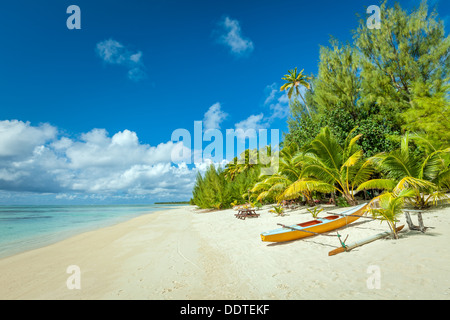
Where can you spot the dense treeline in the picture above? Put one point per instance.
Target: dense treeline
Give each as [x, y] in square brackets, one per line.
[388, 81]
[376, 116]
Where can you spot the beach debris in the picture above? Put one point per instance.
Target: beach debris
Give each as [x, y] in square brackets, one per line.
[411, 225]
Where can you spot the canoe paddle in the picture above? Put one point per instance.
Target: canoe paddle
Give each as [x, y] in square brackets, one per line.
[354, 215]
[301, 230]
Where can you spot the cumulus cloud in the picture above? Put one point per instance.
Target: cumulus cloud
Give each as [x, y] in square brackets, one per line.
[254, 122]
[19, 138]
[231, 36]
[214, 117]
[278, 104]
[277, 101]
[249, 127]
[96, 164]
[113, 52]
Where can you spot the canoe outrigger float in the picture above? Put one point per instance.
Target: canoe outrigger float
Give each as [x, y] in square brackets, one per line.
[347, 248]
[314, 227]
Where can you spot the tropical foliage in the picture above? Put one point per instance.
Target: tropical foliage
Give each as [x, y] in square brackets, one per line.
[214, 190]
[338, 167]
[387, 81]
[375, 118]
[388, 206]
[287, 183]
[293, 82]
[427, 174]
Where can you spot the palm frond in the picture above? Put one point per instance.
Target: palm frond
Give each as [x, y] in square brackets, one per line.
[398, 165]
[443, 179]
[414, 183]
[437, 196]
[353, 159]
[432, 165]
[263, 195]
[302, 186]
[327, 149]
[320, 172]
[363, 174]
[383, 184]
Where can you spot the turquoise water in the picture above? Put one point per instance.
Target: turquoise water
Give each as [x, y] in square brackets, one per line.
[24, 228]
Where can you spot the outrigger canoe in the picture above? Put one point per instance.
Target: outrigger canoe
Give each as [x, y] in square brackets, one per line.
[310, 228]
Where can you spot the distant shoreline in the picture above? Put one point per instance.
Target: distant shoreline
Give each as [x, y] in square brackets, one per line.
[173, 202]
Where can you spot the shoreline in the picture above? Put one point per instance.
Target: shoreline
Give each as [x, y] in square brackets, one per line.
[83, 246]
[33, 242]
[184, 253]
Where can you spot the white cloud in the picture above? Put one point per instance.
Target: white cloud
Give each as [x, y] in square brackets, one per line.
[214, 117]
[95, 165]
[19, 138]
[113, 52]
[249, 127]
[277, 101]
[254, 122]
[231, 36]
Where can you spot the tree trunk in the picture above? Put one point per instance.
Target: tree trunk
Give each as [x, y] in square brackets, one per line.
[350, 200]
[333, 196]
[310, 202]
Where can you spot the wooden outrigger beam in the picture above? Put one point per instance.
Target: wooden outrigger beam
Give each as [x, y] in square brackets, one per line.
[301, 230]
[353, 215]
[352, 246]
[315, 233]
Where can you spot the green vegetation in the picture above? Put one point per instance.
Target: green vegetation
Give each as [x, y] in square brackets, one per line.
[215, 190]
[278, 210]
[315, 212]
[376, 117]
[389, 207]
[426, 174]
[293, 81]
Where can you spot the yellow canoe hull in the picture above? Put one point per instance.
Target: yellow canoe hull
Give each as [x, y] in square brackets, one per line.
[321, 225]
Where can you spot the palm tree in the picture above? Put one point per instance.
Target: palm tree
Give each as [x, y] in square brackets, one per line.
[389, 205]
[231, 169]
[328, 165]
[247, 160]
[287, 183]
[274, 185]
[293, 80]
[430, 147]
[426, 175]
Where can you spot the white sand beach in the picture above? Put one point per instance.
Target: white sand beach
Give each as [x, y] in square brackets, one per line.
[190, 254]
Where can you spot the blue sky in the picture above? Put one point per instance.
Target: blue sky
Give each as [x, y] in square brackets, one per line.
[136, 71]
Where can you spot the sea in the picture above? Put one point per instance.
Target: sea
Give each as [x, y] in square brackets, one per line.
[24, 228]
